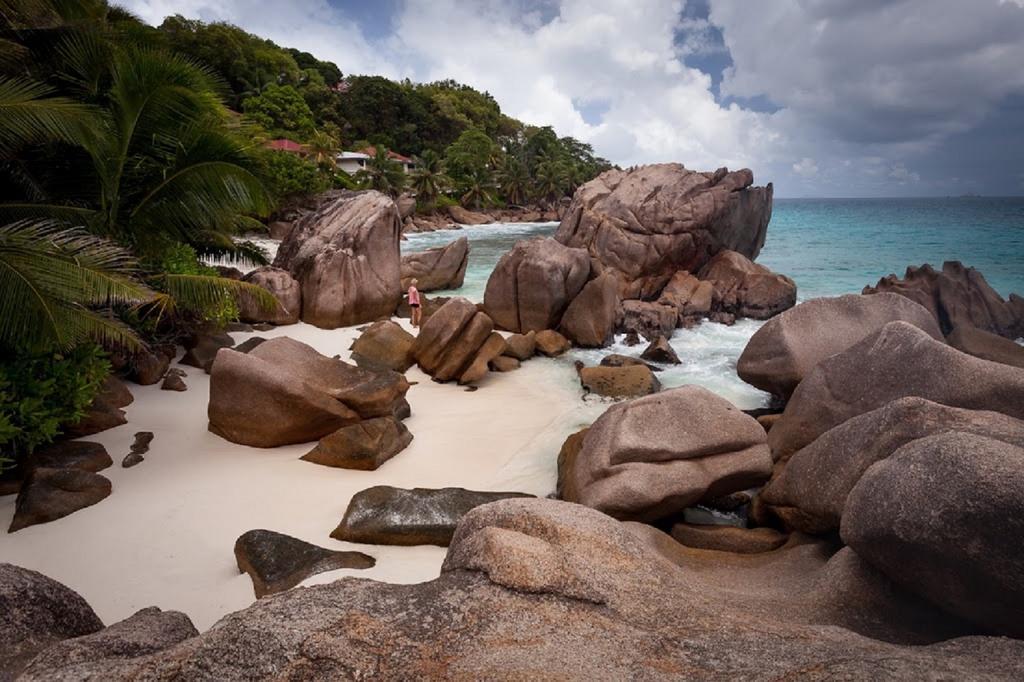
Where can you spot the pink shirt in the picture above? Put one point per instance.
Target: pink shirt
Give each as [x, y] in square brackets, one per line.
[414, 296]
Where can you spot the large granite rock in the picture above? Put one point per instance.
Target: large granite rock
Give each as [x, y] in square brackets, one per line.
[443, 267]
[36, 612]
[589, 320]
[647, 319]
[986, 345]
[346, 258]
[746, 289]
[810, 492]
[787, 347]
[282, 287]
[284, 392]
[87, 657]
[533, 284]
[957, 296]
[691, 297]
[540, 589]
[650, 222]
[464, 216]
[629, 381]
[449, 341]
[944, 517]
[50, 494]
[384, 345]
[652, 457]
[383, 515]
[898, 361]
[364, 445]
[551, 343]
[70, 454]
[522, 347]
[728, 538]
[202, 348]
[491, 348]
[278, 562]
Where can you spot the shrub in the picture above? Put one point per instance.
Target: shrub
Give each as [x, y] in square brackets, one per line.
[181, 259]
[287, 174]
[40, 393]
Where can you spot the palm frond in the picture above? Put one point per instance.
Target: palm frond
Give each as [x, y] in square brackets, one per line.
[203, 292]
[28, 113]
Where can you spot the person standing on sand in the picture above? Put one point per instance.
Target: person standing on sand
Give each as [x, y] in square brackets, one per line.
[414, 303]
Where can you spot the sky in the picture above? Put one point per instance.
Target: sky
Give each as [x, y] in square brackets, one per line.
[825, 98]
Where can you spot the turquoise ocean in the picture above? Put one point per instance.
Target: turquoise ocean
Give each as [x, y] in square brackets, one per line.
[828, 246]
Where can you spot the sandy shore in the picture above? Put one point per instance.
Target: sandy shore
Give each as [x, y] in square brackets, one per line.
[165, 535]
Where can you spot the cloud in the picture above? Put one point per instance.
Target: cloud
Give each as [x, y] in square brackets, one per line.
[806, 166]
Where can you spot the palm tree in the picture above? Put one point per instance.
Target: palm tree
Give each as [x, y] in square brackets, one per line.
[514, 181]
[551, 180]
[382, 173]
[477, 190]
[323, 148]
[429, 179]
[53, 280]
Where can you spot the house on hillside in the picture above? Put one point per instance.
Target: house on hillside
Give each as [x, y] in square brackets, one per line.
[351, 162]
[408, 165]
[285, 145]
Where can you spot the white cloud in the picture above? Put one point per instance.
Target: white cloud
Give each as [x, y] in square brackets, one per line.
[806, 167]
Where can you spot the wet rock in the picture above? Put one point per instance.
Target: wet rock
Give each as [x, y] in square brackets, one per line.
[652, 457]
[345, 257]
[551, 343]
[746, 289]
[649, 320]
[443, 267]
[533, 284]
[521, 346]
[787, 347]
[728, 538]
[589, 321]
[278, 562]
[632, 338]
[285, 290]
[691, 297]
[35, 613]
[810, 493]
[898, 361]
[263, 327]
[72, 454]
[464, 216]
[131, 459]
[619, 382]
[279, 229]
[653, 221]
[51, 494]
[566, 462]
[617, 360]
[383, 515]
[384, 345]
[364, 445]
[105, 411]
[660, 351]
[963, 553]
[449, 341]
[142, 441]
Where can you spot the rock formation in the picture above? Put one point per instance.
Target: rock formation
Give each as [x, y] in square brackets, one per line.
[278, 562]
[630, 381]
[785, 350]
[986, 345]
[691, 297]
[383, 515]
[364, 445]
[649, 458]
[384, 345]
[745, 289]
[105, 411]
[648, 223]
[551, 343]
[649, 320]
[441, 268]
[284, 392]
[50, 494]
[534, 283]
[346, 259]
[449, 341]
[589, 320]
[282, 286]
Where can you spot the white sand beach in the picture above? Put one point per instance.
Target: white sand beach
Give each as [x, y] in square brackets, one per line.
[165, 535]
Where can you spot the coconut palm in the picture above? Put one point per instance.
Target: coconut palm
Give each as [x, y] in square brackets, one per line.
[551, 179]
[323, 149]
[514, 180]
[382, 173]
[55, 282]
[429, 179]
[477, 190]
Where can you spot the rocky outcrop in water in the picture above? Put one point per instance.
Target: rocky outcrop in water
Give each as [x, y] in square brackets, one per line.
[534, 283]
[345, 257]
[441, 268]
[629, 381]
[743, 288]
[958, 296]
[785, 350]
[284, 392]
[648, 223]
[589, 320]
[652, 457]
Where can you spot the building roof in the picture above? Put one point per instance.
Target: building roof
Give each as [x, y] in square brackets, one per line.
[352, 155]
[370, 151]
[284, 145]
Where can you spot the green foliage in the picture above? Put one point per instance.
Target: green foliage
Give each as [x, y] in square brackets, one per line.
[41, 392]
[429, 180]
[280, 110]
[382, 173]
[287, 175]
[470, 156]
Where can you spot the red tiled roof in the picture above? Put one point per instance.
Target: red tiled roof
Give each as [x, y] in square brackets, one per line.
[286, 146]
[371, 151]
